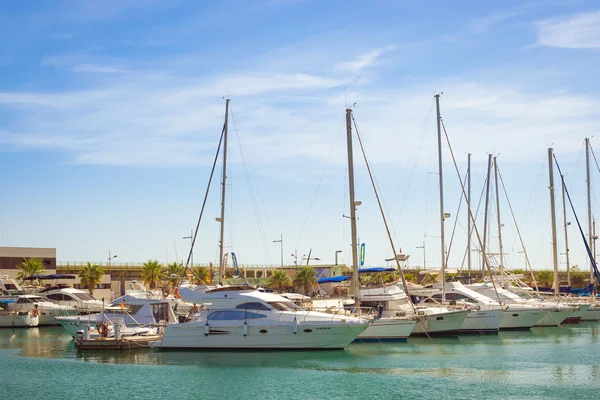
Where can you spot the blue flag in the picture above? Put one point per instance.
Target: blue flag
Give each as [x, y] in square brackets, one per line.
[235, 264]
[362, 254]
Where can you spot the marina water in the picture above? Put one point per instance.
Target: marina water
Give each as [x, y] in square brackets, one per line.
[544, 363]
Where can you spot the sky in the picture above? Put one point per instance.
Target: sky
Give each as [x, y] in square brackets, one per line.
[111, 113]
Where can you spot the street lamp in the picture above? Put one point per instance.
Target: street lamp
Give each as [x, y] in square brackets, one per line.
[280, 241]
[423, 247]
[110, 258]
[336, 256]
[191, 237]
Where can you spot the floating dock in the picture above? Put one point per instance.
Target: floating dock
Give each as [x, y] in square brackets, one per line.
[125, 343]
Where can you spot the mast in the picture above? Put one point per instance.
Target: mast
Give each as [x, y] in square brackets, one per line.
[553, 213]
[468, 215]
[485, 215]
[589, 204]
[499, 223]
[223, 183]
[565, 224]
[355, 288]
[442, 244]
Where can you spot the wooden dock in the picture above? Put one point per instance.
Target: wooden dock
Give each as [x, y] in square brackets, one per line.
[125, 343]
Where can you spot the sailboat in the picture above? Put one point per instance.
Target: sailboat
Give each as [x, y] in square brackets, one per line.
[241, 317]
[392, 300]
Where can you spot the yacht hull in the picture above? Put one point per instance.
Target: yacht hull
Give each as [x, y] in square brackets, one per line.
[577, 314]
[554, 317]
[440, 324]
[387, 330]
[19, 321]
[518, 318]
[482, 322]
[591, 314]
[275, 336]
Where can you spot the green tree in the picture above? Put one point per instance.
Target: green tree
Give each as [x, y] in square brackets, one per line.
[30, 266]
[153, 273]
[305, 279]
[90, 276]
[279, 280]
[544, 278]
[175, 271]
[201, 275]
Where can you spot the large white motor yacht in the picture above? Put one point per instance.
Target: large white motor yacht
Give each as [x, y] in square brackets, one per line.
[241, 317]
[68, 296]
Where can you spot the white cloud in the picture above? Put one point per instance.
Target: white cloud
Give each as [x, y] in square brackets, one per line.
[365, 60]
[580, 31]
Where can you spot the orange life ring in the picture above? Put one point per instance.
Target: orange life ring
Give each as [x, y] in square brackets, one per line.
[177, 294]
[35, 312]
[103, 329]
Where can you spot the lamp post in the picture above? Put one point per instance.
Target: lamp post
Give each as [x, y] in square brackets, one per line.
[423, 247]
[336, 256]
[295, 255]
[280, 241]
[110, 258]
[191, 237]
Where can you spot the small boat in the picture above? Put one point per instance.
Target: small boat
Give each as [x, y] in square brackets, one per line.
[10, 318]
[47, 310]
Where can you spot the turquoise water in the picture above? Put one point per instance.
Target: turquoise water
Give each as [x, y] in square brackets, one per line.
[548, 363]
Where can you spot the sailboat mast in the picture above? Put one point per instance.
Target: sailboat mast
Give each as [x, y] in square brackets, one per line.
[565, 224]
[499, 223]
[485, 215]
[553, 214]
[442, 243]
[223, 183]
[355, 289]
[468, 213]
[589, 204]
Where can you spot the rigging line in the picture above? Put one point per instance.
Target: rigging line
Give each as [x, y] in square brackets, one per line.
[414, 164]
[252, 192]
[484, 257]
[212, 171]
[454, 227]
[404, 284]
[587, 247]
[594, 154]
[518, 230]
[319, 184]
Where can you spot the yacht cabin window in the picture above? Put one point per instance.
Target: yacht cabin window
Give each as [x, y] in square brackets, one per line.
[253, 306]
[228, 315]
[284, 306]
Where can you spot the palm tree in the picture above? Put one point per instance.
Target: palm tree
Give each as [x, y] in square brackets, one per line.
[201, 275]
[279, 280]
[30, 266]
[177, 269]
[153, 273]
[90, 276]
[305, 279]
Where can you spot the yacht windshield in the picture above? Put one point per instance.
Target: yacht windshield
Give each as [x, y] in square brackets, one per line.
[83, 296]
[284, 306]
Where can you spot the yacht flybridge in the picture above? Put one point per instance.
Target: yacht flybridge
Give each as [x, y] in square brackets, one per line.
[241, 317]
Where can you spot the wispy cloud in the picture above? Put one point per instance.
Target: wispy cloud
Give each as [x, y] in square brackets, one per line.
[482, 24]
[580, 31]
[365, 60]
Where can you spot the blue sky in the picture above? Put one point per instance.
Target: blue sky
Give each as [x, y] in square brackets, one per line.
[110, 114]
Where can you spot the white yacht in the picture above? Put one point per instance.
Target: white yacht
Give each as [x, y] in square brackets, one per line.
[133, 310]
[432, 320]
[10, 318]
[241, 317]
[386, 325]
[67, 296]
[490, 315]
[47, 310]
[552, 314]
[592, 313]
